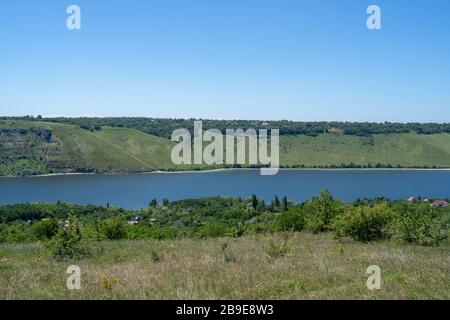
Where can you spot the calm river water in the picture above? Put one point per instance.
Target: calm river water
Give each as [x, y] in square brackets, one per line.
[136, 190]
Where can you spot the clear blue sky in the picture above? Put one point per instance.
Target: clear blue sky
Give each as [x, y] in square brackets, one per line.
[244, 59]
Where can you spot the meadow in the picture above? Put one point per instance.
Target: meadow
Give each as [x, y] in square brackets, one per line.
[306, 266]
[225, 248]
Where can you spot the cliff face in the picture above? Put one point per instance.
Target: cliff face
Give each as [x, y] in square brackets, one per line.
[27, 151]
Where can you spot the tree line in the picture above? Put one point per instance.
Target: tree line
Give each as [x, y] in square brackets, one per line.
[163, 127]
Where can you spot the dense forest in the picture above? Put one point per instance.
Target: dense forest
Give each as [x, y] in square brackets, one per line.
[164, 127]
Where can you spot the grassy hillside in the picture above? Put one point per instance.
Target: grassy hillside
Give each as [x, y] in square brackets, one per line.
[108, 150]
[73, 149]
[315, 267]
[405, 150]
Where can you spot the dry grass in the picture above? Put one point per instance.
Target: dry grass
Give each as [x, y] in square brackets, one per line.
[315, 267]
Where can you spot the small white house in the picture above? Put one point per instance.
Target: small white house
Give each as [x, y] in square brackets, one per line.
[412, 200]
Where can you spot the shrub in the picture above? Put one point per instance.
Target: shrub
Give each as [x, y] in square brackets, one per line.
[68, 243]
[291, 220]
[212, 229]
[108, 281]
[320, 211]
[115, 228]
[364, 223]
[223, 246]
[229, 257]
[418, 224]
[87, 126]
[46, 229]
[258, 228]
[278, 250]
[14, 232]
[155, 255]
[238, 230]
[162, 233]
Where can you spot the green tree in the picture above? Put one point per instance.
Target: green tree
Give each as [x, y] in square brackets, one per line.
[277, 202]
[14, 232]
[255, 202]
[115, 228]
[68, 243]
[45, 229]
[291, 220]
[418, 224]
[321, 210]
[153, 203]
[285, 203]
[364, 223]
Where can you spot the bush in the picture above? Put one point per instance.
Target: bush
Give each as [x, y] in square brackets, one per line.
[278, 250]
[14, 232]
[238, 230]
[364, 223]
[86, 126]
[162, 233]
[108, 281]
[291, 220]
[258, 228]
[212, 229]
[144, 231]
[320, 212]
[115, 228]
[155, 255]
[68, 243]
[418, 224]
[45, 230]
[229, 257]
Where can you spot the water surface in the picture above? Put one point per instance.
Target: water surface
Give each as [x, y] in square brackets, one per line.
[136, 190]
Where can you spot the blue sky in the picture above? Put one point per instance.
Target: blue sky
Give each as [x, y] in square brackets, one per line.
[232, 59]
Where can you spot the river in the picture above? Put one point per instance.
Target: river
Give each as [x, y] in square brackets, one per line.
[136, 190]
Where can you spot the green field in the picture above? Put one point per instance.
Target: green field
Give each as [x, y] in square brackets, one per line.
[314, 267]
[73, 149]
[404, 150]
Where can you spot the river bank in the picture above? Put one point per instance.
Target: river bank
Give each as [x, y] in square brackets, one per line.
[217, 170]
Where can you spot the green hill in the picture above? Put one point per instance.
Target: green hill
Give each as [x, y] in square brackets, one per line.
[37, 147]
[74, 149]
[397, 150]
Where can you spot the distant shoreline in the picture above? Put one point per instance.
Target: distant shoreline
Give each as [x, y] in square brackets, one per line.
[219, 170]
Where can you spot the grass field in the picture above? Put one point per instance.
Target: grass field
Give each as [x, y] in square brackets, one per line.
[309, 267]
[129, 150]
